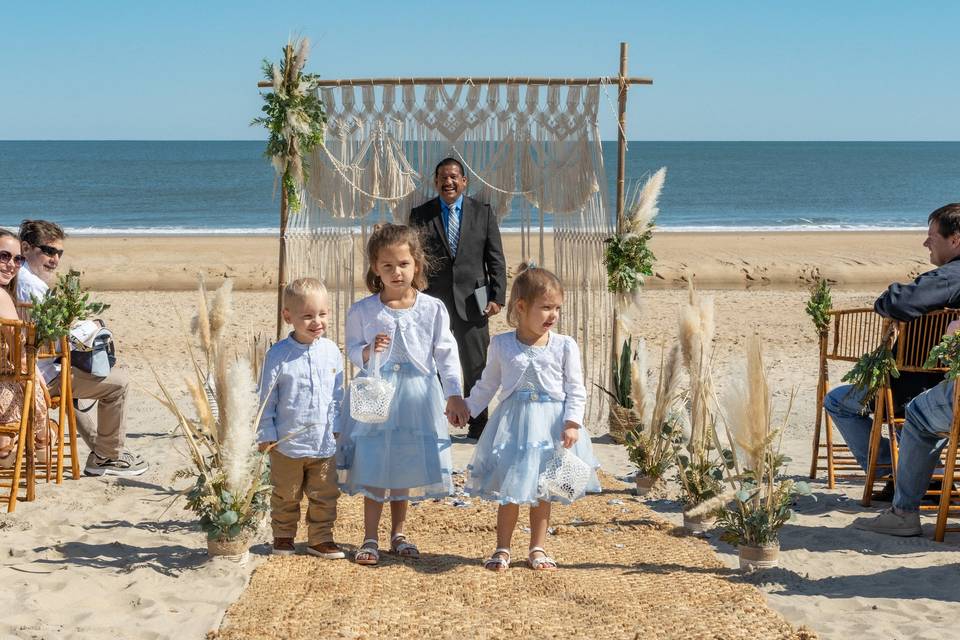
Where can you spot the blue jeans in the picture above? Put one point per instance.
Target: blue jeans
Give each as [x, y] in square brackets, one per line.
[920, 446]
[854, 421]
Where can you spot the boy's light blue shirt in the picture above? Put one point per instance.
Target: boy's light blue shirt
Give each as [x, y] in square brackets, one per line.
[301, 388]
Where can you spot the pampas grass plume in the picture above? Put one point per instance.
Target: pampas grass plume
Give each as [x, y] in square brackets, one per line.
[241, 430]
[645, 209]
[639, 391]
[202, 322]
[221, 309]
[747, 402]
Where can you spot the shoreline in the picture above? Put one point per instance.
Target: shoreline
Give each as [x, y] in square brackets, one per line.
[719, 260]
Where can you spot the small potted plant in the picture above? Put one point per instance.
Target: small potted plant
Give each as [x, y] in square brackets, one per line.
[230, 493]
[652, 444]
[761, 500]
[623, 418]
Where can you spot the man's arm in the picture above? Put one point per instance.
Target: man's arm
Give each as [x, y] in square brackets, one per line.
[931, 291]
[494, 262]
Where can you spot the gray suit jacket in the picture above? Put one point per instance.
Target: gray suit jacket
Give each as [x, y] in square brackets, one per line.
[479, 260]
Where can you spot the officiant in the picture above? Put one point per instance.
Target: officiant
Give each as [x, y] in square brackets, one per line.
[469, 273]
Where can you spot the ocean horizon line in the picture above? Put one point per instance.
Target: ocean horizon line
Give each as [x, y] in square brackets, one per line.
[274, 231]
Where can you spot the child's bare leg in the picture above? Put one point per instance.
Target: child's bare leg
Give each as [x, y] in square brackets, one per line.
[372, 509]
[539, 522]
[507, 515]
[398, 516]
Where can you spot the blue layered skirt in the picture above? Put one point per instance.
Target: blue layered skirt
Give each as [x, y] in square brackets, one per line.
[408, 456]
[516, 445]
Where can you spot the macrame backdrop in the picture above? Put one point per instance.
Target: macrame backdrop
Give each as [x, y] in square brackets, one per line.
[536, 146]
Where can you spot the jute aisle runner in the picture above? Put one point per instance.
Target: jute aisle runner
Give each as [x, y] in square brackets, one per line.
[624, 574]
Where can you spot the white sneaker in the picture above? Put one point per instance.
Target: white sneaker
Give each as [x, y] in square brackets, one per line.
[891, 523]
[127, 465]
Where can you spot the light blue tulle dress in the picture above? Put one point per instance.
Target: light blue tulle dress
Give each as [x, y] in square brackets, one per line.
[408, 456]
[518, 441]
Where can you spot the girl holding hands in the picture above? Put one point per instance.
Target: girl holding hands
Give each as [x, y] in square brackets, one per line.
[407, 456]
[542, 399]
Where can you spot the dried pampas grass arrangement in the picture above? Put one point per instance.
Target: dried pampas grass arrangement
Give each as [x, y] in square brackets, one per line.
[231, 486]
[652, 445]
[703, 460]
[760, 500]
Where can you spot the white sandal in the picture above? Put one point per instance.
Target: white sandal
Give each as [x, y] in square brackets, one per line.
[543, 562]
[403, 548]
[498, 562]
[367, 555]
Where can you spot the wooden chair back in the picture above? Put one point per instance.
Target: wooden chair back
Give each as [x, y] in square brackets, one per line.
[916, 338]
[850, 334]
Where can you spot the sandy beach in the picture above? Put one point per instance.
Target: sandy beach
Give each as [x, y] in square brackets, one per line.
[101, 558]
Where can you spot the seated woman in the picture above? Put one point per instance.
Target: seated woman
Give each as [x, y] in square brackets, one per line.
[11, 394]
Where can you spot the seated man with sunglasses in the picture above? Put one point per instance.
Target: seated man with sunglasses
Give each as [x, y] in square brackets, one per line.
[42, 245]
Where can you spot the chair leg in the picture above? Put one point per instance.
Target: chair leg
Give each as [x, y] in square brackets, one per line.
[876, 433]
[67, 397]
[831, 473]
[60, 434]
[946, 493]
[815, 458]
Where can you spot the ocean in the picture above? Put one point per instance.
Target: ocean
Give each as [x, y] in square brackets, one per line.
[195, 187]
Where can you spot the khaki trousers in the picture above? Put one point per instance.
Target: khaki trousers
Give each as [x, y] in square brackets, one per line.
[291, 479]
[105, 436]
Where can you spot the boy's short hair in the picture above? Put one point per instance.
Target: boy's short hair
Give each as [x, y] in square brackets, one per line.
[37, 232]
[299, 289]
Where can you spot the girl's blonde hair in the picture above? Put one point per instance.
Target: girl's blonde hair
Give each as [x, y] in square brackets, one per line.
[387, 235]
[530, 283]
[299, 289]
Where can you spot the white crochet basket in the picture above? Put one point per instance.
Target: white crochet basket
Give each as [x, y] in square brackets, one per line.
[565, 476]
[370, 396]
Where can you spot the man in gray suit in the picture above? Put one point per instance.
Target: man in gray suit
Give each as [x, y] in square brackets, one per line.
[468, 272]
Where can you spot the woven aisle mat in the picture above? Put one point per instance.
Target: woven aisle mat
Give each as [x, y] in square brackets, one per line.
[624, 573]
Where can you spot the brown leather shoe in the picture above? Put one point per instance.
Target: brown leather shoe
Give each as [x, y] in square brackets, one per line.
[283, 547]
[885, 494]
[326, 550]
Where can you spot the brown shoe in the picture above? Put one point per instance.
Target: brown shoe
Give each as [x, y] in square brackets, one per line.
[283, 547]
[327, 550]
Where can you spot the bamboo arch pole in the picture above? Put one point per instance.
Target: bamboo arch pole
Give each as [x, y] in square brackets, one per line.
[623, 85]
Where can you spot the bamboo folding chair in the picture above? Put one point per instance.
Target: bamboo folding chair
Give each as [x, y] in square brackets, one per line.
[850, 334]
[18, 366]
[65, 425]
[914, 340]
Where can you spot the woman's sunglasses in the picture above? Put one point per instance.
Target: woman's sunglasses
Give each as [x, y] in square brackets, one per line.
[50, 251]
[6, 256]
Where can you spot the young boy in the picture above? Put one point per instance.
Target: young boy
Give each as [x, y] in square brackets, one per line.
[301, 389]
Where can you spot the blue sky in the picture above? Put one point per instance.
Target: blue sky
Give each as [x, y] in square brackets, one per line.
[789, 70]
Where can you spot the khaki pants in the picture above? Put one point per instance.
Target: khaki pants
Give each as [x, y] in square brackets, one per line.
[291, 479]
[105, 436]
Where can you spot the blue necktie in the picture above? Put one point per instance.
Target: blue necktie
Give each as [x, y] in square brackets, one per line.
[453, 230]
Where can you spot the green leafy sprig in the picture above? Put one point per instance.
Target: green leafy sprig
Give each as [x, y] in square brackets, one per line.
[64, 304]
[946, 354]
[872, 371]
[222, 514]
[653, 453]
[295, 117]
[628, 259]
[819, 306]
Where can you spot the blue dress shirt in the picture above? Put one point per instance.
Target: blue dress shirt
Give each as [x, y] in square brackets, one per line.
[301, 389]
